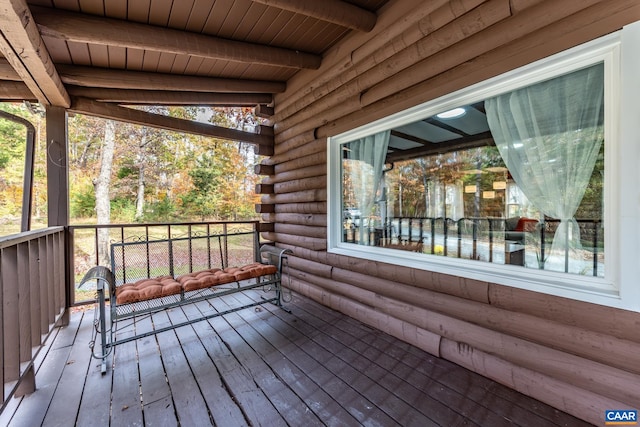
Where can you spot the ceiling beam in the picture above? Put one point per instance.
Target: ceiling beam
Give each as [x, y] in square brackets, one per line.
[334, 11]
[122, 79]
[130, 115]
[21, 44]
[91, 29]
[165, 97]
[15, 91]
[7, 72]
[473, 141]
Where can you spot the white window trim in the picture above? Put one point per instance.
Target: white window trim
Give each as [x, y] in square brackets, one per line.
[621, 285]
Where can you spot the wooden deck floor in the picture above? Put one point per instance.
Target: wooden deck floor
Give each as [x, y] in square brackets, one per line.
[265, 367]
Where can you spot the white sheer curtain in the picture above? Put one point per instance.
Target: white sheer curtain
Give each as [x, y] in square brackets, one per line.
[366, 174]
[549, 135]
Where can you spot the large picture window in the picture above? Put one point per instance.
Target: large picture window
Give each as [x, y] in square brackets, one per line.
[516, 179]
[513, 180]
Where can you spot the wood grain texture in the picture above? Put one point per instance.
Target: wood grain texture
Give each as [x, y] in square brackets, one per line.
[165, 97]
[114, 112]
[23, 47]
[441, 30]
[334, 11]
[123, 79]
[314, 365]
[113, 32]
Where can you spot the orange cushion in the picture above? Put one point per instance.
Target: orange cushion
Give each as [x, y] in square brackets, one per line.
[146, 289]
[162, 286]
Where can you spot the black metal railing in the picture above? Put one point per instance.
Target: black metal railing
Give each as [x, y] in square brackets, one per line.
[91, 245]
[464, 237]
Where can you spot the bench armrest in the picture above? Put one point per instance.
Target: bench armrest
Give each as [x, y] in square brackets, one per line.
[101, 275]
[274, 256]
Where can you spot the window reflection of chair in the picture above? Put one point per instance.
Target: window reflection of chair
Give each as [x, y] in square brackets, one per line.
[516, 228]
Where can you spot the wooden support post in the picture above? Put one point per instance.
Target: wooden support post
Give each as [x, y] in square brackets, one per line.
[57, 170]
[265, 150]
[58, 185]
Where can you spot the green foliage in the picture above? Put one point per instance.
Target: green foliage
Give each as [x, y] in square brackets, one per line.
[12, 137]
[123, 210]
[12, 161]
[127, 171]
[185, 177]
[206, 174]
[83, 203]
[160, 211]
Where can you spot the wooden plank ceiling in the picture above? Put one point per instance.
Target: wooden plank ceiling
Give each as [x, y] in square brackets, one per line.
[78, 54]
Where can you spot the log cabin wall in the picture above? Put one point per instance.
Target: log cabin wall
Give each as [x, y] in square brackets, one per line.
[579, 357]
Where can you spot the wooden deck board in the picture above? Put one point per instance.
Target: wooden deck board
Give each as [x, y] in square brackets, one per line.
[125, 396]
[35, 405]
[75, 372]
[263, 366]
[242, 388]
[94, 408]
[287, 403]
[155, 393]
[316, 400]
[508, 403]
[224, 411]
[356, 403]
[190, 405]
[380, 393]
[368, 350]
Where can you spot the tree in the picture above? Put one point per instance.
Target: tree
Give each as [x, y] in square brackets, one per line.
[102, 184]
[12, 157]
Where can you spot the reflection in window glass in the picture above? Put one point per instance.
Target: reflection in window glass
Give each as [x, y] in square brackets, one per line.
[515, 179]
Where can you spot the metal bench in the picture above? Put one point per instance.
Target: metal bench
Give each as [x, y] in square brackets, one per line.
[130, 289]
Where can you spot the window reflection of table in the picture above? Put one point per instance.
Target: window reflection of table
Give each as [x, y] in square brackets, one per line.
[513, 253]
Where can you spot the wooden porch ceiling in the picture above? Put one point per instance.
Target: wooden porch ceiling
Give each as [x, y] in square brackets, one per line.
[313, 367]
[166, 52]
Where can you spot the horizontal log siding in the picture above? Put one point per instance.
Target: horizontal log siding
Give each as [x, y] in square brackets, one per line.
[578, 357]
[590, 375]
[562, 395]
[306, 172]
[585, 25]
[440, 31]
[408, 332]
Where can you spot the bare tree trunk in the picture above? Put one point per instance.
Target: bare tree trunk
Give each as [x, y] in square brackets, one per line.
[101, 186]
[141, 163]
[140, 196]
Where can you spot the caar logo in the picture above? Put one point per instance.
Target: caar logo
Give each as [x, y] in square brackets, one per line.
[619, 417]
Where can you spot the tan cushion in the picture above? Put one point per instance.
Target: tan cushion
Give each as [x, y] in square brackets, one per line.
[163, 286]
[147, 289]
[257, 269]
